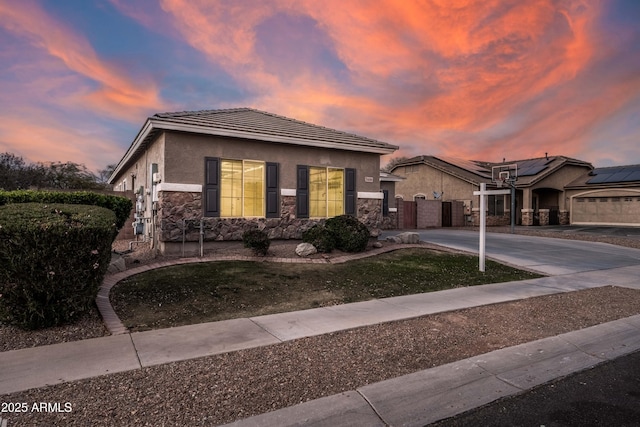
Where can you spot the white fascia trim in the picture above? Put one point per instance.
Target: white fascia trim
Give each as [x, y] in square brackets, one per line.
[273, 138]
[182, 188]
[142, 135]
[370, 195]
[288, 192]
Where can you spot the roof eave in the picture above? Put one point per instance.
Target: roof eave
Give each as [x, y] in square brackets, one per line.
[146, 129]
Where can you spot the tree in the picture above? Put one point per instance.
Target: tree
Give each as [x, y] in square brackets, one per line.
[104, 174]
[392, 163]
[69, 175]
[16, 174]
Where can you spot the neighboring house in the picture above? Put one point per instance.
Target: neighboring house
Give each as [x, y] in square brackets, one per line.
[233, 169]
[540, 189]
[606, 196]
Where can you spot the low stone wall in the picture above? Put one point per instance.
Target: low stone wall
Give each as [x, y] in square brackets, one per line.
[180, 216]
[491, 220]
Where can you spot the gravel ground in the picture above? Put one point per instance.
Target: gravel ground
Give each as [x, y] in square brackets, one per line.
[227, 387]
[236, 385]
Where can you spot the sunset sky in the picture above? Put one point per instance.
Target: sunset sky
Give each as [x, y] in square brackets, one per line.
[473, 79]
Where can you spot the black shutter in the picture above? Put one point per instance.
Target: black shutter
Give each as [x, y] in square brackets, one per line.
[212, 187]
[272, 191]
[302, 191]
[350, 194]
[385, 203]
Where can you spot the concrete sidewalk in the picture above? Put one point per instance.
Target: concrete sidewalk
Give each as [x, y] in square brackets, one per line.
[414, 399]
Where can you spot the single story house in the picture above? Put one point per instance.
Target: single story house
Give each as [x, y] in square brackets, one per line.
[210, 175]
[540, 188]
[606, 196]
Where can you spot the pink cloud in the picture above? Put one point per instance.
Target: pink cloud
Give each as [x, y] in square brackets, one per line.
[52, 140]
[117, 95]
[481, 61]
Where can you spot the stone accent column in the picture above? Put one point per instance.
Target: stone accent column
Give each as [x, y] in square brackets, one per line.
[527, 216]
[564, 217]
[370, 214]
[544, 216]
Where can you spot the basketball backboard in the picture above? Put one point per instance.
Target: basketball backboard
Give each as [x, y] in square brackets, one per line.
[504, 174]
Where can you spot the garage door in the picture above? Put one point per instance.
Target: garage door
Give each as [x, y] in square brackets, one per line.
[606, 210]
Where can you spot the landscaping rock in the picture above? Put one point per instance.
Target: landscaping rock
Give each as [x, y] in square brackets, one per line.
[117, 264]
[377, 245]
[409, 237]
[393, 239]
[305, 249]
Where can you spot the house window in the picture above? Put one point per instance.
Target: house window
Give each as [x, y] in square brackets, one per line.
[323, 192]
[241, 188]
[326, 192]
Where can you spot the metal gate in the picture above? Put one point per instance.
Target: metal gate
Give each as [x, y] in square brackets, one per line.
[446, 214]
[410, 215]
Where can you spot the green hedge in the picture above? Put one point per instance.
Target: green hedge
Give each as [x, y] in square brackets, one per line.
[320, 237]
[257, 240]
[53, 258]
[351, 235]
[121, 206]
[344, 232]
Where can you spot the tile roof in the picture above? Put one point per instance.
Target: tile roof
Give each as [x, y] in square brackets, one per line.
[248, 123]
[256, 124]
[529, 170]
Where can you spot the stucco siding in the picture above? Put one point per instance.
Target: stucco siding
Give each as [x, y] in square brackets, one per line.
[426, 179]
[185, 155]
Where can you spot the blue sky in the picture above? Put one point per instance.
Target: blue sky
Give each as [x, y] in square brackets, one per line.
[491, 80]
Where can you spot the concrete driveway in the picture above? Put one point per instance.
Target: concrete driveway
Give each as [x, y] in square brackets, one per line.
[542, 254]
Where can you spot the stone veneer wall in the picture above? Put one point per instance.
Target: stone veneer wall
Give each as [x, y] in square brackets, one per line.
[390, 222]
[564, 217]
[491, 220]
[174, 207]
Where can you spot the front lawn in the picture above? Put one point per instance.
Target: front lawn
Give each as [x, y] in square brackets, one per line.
[220, 290]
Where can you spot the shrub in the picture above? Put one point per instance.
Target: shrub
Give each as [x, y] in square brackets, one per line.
[257, 240]
[121, 206]
[320, 237]
[53, 258]
[350, 234]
